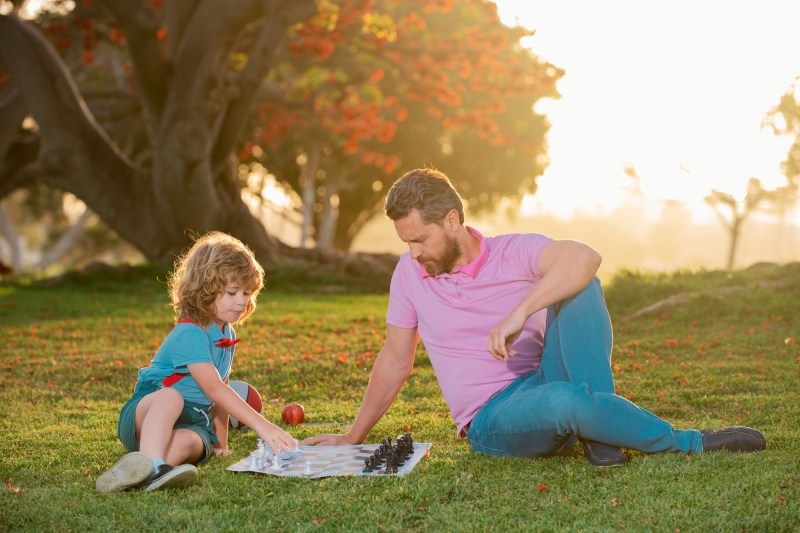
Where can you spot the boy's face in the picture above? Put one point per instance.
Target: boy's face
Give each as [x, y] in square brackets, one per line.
[231, 303]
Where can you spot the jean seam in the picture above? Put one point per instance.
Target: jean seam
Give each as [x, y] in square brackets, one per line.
[530, 430]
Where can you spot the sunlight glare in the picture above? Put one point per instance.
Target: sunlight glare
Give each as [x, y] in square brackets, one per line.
[672, 88]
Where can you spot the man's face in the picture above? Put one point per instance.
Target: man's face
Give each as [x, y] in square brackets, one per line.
[430, 244]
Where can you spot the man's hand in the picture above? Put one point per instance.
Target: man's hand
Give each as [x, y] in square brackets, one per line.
[329, 439]
[503, 335]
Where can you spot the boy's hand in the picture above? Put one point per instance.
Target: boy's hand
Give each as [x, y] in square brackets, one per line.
[276, 438]
[220, 452]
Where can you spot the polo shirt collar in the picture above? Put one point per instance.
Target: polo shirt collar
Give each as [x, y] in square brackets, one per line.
[470, 269]
[215, 333]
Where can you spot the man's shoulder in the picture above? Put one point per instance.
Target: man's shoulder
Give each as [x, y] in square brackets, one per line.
[520, 239]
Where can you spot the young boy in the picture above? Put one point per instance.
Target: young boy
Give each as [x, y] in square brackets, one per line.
[178, 415]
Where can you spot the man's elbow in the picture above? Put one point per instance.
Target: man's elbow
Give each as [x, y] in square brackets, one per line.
[593, 259]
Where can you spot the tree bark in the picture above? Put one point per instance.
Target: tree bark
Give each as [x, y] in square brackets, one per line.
[191, 188]
[12, 112]
[7, 231]
[76, 155]
[140, 25]
[308, 186]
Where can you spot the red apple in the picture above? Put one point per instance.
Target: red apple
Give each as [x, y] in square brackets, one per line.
[293, 414]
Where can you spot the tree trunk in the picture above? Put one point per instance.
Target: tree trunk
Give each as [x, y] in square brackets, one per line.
[308, 186]
[67, 241]
[192, 116]
[76, 155]
[735, 231]
[328, 217]
[7, 231]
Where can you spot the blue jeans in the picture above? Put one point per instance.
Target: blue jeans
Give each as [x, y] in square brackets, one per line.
[571, 395]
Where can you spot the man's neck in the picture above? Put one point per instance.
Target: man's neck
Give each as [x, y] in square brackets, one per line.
[470, 247]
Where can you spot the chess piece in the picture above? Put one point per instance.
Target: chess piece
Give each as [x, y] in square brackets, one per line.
[308, 471]
[276, 462]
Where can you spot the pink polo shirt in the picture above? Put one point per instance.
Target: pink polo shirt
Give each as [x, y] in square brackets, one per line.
[455, 311]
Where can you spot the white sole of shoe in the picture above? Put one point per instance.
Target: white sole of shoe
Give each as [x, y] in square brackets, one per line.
[178, 477]
[128, 472]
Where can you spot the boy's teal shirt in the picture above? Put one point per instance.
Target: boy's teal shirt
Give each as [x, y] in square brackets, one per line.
[186, 344]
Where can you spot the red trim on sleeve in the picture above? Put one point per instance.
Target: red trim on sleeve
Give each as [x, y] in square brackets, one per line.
[172, 379]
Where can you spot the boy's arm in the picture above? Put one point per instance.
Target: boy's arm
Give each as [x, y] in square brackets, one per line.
[221, 429]
[226, 399]
[392, 367]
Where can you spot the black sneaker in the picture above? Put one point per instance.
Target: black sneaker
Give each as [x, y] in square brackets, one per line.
[169, 477]
[600, 454]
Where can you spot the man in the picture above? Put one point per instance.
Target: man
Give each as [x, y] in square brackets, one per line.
[519, 337]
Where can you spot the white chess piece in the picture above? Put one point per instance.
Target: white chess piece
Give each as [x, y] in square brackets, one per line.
[276, 462]
[308, 471]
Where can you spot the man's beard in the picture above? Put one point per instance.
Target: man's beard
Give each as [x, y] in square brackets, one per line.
[445, 262]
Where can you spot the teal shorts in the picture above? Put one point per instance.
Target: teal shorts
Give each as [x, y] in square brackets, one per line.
[195, 417]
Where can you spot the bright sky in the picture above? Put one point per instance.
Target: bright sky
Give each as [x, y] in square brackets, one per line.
[660, 85]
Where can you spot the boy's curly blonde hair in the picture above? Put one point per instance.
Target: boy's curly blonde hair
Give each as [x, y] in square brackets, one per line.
[214, 261]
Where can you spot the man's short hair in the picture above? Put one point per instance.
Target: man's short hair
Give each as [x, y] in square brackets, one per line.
[426, 190]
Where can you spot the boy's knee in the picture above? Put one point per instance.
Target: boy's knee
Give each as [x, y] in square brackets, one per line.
[187, 446]
[169, 395]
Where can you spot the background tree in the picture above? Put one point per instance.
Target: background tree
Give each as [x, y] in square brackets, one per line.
[784, 120]
[372, 87]
[738, 212]
[150, 116]
[194, 99]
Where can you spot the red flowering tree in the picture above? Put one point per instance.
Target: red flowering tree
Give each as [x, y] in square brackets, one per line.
[375, 87]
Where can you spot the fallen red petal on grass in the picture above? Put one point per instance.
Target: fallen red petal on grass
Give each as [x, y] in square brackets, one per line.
[542, 487]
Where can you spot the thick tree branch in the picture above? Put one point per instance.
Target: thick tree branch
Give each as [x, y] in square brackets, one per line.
[182, 164]
[18, 167]
[176, 18]
[279, 16]
[140, 25]
[12, 111]
[76, 155]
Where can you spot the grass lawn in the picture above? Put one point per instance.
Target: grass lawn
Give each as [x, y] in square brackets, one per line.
[70, 352]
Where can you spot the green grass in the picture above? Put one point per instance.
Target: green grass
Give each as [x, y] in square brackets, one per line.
[70, 352]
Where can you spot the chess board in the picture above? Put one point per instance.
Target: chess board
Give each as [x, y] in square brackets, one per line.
[328, 461]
